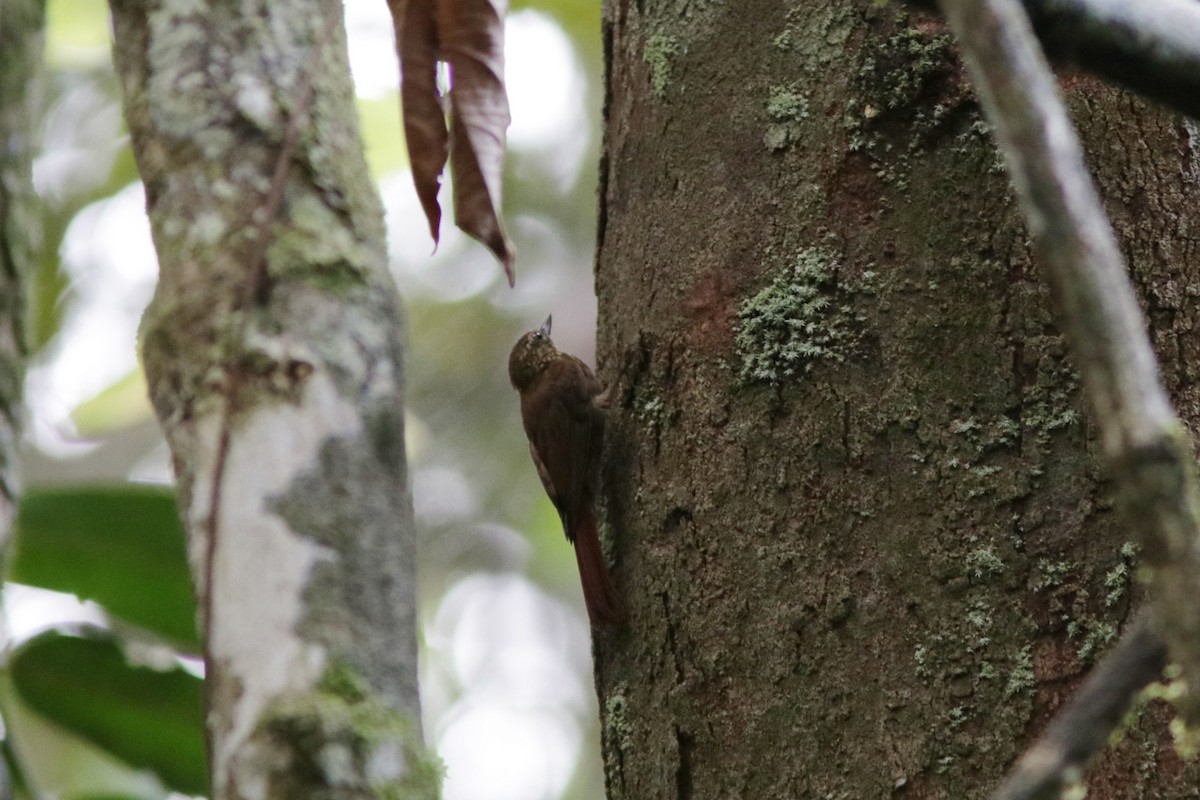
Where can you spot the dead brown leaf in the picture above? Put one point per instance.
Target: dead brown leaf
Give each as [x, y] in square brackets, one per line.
[424, 119]
[469, 36]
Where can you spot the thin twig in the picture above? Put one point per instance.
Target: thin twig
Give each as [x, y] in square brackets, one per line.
[1081, 730]
[212, 526]
[1145, 447]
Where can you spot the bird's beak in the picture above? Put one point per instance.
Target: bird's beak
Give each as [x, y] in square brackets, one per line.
[545, 329]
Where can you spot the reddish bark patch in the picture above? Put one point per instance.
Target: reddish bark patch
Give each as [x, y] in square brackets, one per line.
[1054, 660]
[1073, 80]
[1136, 754]
[930, 24]
[854, 192]
[710, 308]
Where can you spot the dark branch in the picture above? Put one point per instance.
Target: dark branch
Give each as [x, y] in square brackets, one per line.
[1082, 729]
[1149, 46]
[273, 200]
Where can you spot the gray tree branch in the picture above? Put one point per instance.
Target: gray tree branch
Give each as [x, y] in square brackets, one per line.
[1146, 448]
[274, 356]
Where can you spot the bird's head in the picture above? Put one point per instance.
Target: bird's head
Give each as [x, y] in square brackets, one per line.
[532, 353]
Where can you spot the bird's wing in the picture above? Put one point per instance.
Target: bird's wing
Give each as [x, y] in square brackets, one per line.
[566, 437]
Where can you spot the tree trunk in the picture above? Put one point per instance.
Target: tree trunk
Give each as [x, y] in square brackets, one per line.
[273, 352]
[852, 493]
[20, 73]
[20, 83]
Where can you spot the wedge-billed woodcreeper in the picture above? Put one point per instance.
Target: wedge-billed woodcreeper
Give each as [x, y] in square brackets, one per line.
[564, 422]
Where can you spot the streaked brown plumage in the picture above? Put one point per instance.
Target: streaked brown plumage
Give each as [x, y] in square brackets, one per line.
[565, 427]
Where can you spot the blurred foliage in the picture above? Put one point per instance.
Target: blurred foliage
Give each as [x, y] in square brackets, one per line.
[120, 546]
[78, 33]
[383, 136]
[119, 406]
[75, 726]
[88, 164]
[149, 718]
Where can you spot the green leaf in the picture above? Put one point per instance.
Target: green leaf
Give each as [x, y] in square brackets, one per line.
[121, 405]
[12, 765]
[150, 719]
[57, 762]
[121, 546]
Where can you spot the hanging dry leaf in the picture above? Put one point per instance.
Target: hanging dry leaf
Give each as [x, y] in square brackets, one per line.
[424, 118]
[469, 36]
[473, 42]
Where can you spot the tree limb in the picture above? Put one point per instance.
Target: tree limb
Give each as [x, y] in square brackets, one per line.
[1145, 446]
[273, 352]
[1149, 46]
[1083, 727]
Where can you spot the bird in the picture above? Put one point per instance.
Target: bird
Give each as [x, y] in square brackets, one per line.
[563, 417]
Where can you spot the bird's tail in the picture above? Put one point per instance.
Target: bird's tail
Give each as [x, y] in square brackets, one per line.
[599, 593]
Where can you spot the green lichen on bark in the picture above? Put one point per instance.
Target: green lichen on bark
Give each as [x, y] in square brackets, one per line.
[870, 522]
[210, 118]
[787, 109]
[910, 90]
[984, 564]
[904, 65]
[340, 732]
[819, 37]
[616, 735]
[318, 249]
[1116, 584]
[658, 53]
[1021, 678]
[791, 325]
[1092, 637]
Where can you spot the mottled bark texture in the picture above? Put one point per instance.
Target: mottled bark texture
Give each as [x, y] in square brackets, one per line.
[21, 25]
[273, 353]
[853, 497]
[20, 73]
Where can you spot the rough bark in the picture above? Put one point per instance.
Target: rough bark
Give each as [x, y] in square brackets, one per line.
[273, 353]
[20, 72]
[21, 24]
[1147, 454]
[870, 549]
